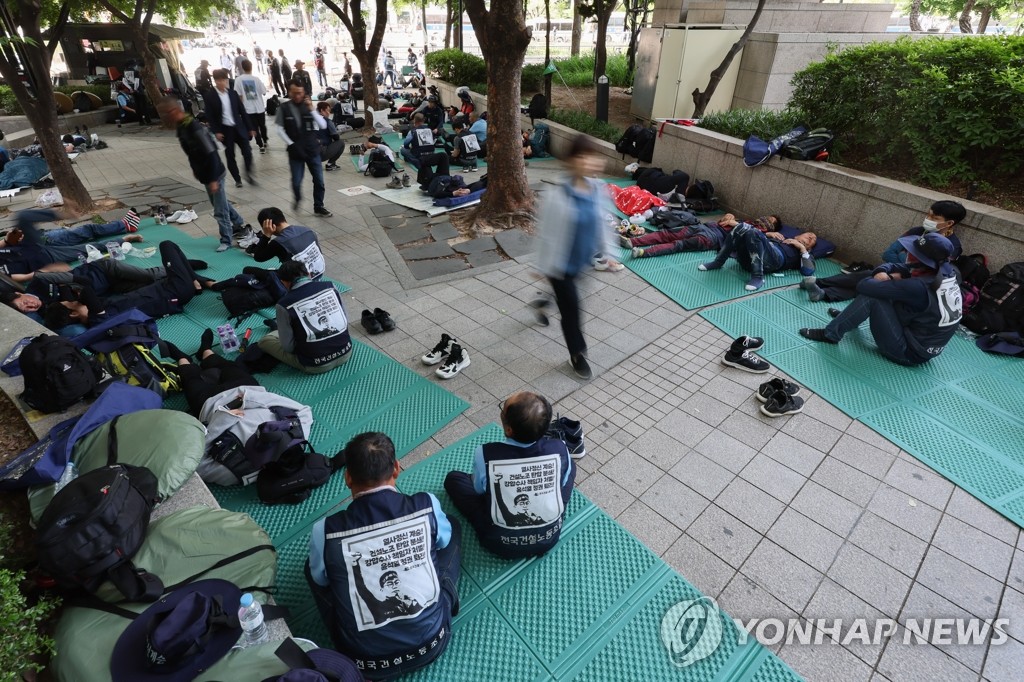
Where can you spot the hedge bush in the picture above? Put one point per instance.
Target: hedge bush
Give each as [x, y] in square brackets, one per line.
[23, 645]
[585, 123]
[953, 108]
[9, 102]
[456, 66]
[460, 68]
[742, 123]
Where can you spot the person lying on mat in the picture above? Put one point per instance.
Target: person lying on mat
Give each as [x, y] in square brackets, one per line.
[762, 253]
[80, 304]
[312, 327]
[700, 237]
[278, 239]
[384, 571]
[211, 376]
[913, 308]
[942, 218]
[515, 497]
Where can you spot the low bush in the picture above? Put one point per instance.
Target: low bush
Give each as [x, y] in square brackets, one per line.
[944, 110]
[456, 66]
[585, 123]
[24, 646]
[578, 72]
[9, 102]
[742, 123]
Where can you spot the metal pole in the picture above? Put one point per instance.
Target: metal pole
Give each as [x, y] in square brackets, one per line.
[602, 98]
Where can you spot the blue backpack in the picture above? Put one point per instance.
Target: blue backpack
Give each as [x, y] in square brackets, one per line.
[756, 151]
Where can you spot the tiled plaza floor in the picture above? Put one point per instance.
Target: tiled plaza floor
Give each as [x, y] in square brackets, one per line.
[810, 516]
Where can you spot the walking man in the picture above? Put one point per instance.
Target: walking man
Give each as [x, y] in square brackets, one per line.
[297, 124]
[199, 146]
[230, 123]
[254, 98]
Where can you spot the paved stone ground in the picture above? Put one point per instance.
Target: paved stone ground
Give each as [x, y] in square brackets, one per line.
[810, 516]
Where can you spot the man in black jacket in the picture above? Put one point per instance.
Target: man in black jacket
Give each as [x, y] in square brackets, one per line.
[297, 124]
[198, 144]
[300, 74]
[229, 121]
[274, 67]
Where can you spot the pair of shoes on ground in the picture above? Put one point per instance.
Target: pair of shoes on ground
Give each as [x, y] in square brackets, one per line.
[452, 357]
[628, 229]
[779, 397]
[378, 321]
[399, 182]
[569, 432]
[741, 355]
[184, 216]
[819, 334]
[603, 263]
[331, 167]
[245, 236]
[857, 266]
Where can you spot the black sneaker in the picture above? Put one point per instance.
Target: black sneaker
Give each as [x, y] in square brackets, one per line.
[385, 320]
[746, 361]
[457, 360]
[834, 312]
[781, 403]
[571, 433]
[746, 343]
[581, 366]
[765, 390]
[857, 266]
[322, 212]
[371, 324]
[439, 352]
[816, 335]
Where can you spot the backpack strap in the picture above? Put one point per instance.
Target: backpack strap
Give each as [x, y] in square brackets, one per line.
[135, 583]
[112, 441]
[223, 562]
[292, 655]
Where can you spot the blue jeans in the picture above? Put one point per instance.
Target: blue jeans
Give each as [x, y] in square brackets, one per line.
[298, 167]
[886, 327]
[410, 158]
[754, 252]
[63, 245]
[226, 215]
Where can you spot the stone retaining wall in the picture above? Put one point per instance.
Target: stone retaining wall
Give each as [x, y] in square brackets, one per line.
[861, 212]
[19, 133]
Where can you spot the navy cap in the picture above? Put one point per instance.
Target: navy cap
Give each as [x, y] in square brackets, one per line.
[931, 248]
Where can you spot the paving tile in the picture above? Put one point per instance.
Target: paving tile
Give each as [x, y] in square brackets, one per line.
[631, 471]
[846, 481]
[435, 250]
[699, 565]
[701, 474]
[684, 428]
[920, 662]
[786, 577]
[749, 429]
[606, 494]
[674, 501]
[860, 455]
[871, 579]
[832, 601]
[922, 604]
[920, 483]
[968, 508]
[441, 231]
[871, 437]
[827, 508]
[482, 258]
[750, 504]
[659, 449]
[1012, 608]
[1005, 661]
[1016, 577]
[796, 455]
[812, 543]
[425, 269]
[475, 245]
[729, 538]
[404, 235]
[958, 582]
[904, 511]
[891, 544]
[393, 222]
[707, 409]
[726, 451]
[515, 243]
[650, 527]
[744, 598]
[980, 550]
[775, 479]
[825, 661]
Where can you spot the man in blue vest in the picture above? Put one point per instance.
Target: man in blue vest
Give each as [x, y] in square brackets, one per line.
[384, 571]
[297, 124]
[516, 496]
[312, 327]
[278, 239]
[419, 149]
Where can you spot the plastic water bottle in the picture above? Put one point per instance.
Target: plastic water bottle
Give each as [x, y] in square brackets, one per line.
[70, 474]
[92, 253]
[250, 617]
[228, 339]
[162, 218]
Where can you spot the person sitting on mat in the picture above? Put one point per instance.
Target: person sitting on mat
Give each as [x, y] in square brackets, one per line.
[278, 239]
[374, 142]
[762, 253]
[700, 237]
[384, 571]
[80, 304]
[516, 496]
[942, 217]
[914, 308]
[312, 327]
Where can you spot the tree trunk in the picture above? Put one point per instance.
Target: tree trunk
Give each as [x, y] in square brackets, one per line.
[423, 19]
[449, 16]
[603, 15]
[965, 17]
[986, 16]
[353, 17]
[547, 51]
[41, 110]
[701, 99]
[915, 15]
[504, 38]
[368, 67]
[148, 75]
[577, 29]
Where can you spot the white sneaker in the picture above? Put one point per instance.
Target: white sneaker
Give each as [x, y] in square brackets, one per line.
[187, 216]
[458, 360]
[602, 264]
[440, 351]
[632, 168]
[173, 218]
[247, 239]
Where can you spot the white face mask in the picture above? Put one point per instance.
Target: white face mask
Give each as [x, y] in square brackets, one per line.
[930, 225]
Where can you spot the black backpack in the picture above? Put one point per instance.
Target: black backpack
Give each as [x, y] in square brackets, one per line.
[538, 107]
[1001, 307]
[627, 143]
[379, 164]
[272, 104]
[295, 474]
[57, 374]
[700, 197]
[645, 144]
[973, 268]
[250, 291]
[94, 526]
[808, 146]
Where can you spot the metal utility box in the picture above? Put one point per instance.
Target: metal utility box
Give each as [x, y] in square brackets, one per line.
[673, 61]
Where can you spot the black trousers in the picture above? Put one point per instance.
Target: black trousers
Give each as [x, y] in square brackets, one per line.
[332, 152]
[211, 376]
[232, 139]
[278, 83]
[426, 163]
[842, 287]
[260, 122]
[568, 300]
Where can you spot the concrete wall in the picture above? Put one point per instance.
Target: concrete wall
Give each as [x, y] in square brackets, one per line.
[862, 213]
[18, 132]
[789, 16]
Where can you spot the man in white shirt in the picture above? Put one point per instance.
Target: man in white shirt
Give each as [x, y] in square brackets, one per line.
[227, 62]
[229, 121]
[253, 93]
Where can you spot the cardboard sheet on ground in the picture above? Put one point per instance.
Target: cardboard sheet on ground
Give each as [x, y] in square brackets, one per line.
[355, 191]
[414, 198]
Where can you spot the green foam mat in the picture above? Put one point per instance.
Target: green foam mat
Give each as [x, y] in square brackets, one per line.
[959, 413]
[590, 609]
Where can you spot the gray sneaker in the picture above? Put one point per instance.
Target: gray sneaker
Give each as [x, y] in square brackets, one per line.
[406, 181]
[395, 183]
